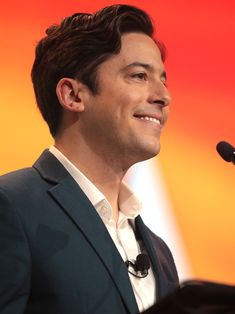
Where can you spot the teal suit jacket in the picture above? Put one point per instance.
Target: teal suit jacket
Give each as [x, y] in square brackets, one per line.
[56, 255]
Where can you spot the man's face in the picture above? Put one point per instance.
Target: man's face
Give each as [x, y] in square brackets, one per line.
[125, 119]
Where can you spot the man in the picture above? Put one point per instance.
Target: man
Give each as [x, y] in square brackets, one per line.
[69, 223]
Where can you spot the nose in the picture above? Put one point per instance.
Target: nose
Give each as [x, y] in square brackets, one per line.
[159, 95]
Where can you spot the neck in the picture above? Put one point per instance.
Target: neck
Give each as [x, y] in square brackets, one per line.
[103, 170]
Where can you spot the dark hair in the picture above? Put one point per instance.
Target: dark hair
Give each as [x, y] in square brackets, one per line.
[76, 48]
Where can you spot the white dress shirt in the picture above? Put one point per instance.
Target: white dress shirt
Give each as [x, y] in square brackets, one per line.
[121, 233]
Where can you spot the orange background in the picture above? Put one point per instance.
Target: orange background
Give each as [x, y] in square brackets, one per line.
[200, 37]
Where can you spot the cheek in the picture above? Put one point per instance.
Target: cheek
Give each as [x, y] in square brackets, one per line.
[165, 111]
[127, 102]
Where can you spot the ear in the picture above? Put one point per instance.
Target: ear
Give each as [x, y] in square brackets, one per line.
[69, 93]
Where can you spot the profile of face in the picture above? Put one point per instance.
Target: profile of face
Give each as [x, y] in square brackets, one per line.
[124, 120]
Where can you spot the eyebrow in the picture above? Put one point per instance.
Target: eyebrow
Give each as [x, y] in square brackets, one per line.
[147, 66]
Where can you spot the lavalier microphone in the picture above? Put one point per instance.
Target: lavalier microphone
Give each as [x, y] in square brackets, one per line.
[139, 268]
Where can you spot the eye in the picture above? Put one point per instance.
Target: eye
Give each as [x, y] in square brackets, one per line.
[141, 76]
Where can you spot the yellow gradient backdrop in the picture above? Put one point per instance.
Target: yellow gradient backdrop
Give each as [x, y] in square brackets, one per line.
[200, 37]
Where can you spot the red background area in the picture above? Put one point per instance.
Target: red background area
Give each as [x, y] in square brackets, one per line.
[200, 37]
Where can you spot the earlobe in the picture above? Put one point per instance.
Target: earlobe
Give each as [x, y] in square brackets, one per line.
[68, 93]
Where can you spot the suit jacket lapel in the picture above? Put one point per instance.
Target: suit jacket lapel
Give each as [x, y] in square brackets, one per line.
[72, 199]
[162, 284]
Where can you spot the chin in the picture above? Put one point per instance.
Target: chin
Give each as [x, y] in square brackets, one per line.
[151, 154]
[148, 152]
[153, 149]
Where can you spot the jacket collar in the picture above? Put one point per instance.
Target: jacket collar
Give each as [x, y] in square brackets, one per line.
[50, 168]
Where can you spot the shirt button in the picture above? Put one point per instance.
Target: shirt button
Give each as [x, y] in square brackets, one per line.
[103, 210]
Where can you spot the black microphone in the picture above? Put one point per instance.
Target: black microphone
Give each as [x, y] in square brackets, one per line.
[140, 266]
[226, 151]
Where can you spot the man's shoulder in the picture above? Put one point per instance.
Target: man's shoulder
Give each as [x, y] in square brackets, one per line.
[16, 175]
[22, 179]
[27, 176]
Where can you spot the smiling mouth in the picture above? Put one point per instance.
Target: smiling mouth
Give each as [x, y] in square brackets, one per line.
[147, 118]
[151, 119]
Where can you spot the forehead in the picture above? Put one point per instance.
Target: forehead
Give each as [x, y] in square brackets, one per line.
[138, 44]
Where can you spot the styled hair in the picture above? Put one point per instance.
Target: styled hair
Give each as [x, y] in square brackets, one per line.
[76, 47]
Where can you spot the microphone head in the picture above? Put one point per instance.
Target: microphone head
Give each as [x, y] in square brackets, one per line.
[142, 262]
[226, 151]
